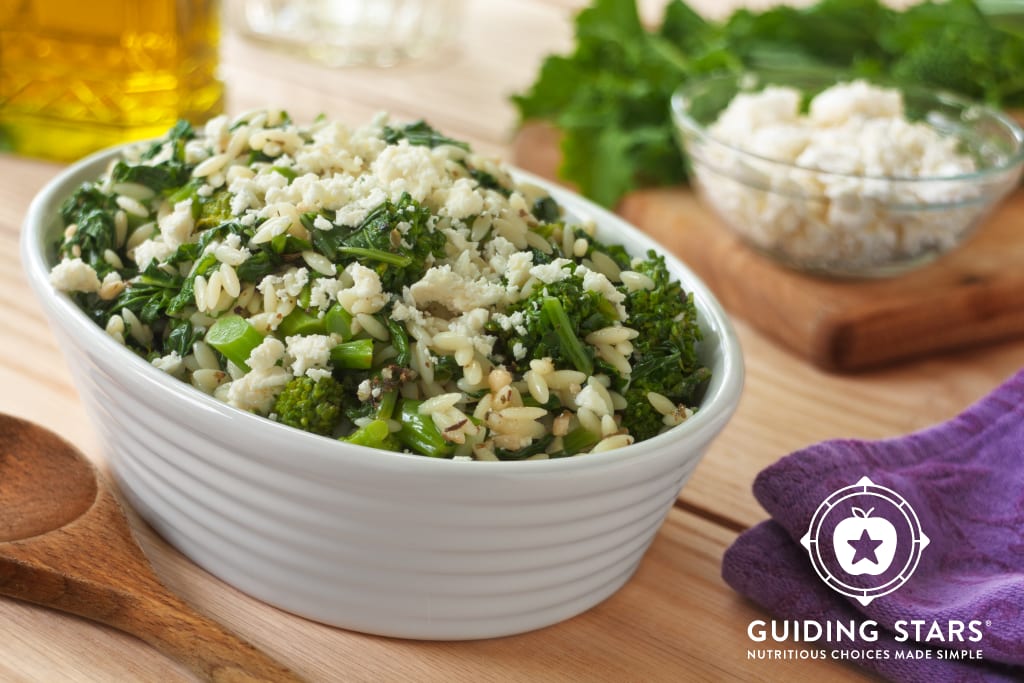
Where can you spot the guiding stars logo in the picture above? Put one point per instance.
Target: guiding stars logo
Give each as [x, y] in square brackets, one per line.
[865, 541]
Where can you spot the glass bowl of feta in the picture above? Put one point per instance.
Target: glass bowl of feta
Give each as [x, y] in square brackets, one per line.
[310, 353]
[845, 178]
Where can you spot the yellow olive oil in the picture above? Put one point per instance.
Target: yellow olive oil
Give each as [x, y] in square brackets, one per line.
[80, 75]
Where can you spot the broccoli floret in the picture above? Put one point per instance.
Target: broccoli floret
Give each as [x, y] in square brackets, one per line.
[556, 318]
[313, 405]
[664, 354]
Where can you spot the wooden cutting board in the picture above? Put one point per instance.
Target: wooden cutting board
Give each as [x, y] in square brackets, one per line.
[972, 296]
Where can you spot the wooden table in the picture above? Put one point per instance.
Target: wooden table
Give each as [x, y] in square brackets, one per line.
[674, 621]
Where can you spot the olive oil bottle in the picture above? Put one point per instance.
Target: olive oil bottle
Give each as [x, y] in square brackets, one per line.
[80, 75]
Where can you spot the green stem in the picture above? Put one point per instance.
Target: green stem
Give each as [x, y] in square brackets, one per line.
[399, 260]
[579, 440]
[353, 355]
[571, 344]
[300, 322]
[419, 433]
[338, 321]
[373, 434]
[234, 337]
[400, 340]
[387, 405]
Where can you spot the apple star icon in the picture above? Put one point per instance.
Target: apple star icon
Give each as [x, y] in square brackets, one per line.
[865, 541]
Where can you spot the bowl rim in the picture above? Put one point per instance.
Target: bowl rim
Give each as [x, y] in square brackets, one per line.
[689, 125]
[718, 405]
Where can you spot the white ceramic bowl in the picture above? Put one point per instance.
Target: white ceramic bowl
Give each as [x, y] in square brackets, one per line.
[379, 542]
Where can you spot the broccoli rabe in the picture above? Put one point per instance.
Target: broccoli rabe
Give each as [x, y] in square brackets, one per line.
[167, 175]
[664, 354]
[374, 434]
[313, 405]
[420, 133]
[92, 211]
[418, 432]
[396, 239]
[556, 318]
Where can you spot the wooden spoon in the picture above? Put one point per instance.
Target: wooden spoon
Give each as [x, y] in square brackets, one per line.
[65, 543]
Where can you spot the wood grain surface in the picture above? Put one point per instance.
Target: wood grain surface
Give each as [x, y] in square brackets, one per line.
[674, 621]
[58, 511]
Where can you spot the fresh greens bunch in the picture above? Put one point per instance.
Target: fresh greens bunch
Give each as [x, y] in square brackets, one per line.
[610, 97]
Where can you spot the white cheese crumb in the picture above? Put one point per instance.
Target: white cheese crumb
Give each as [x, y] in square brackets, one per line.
[172, 363]
[443, 286]
[415, 169]
[317, 374]
[74, 275]
[366, 295]
[266, 354]
[463, 200]
[154, 249]
[311, 351]
[829, 201]
[255, 391]
[549, 273]
[363, 390]
[176, 227]
[597, 282]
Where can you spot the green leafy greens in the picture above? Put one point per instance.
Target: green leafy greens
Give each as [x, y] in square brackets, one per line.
[609, 97]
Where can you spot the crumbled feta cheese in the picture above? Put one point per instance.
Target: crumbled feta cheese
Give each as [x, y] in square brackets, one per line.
[470, 325]
[415, 169]
[365, 295]
[74, 275]
[176, 227]
[288, 285]
[517, 269]
[846, 101]
[151, 250]
[266, 354]
[317, 374]
[597, 282]
[511, 322]
[363, 391]
[462, 200]
[255, 391]
[829, 200]
[590, 398]
[443, 286]
[549, 273]
[324, 292]
[172, 363]
[498, 251]
[353, 213]
[311, 351]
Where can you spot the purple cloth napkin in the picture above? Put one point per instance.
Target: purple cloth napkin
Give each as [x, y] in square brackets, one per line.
[965, 481]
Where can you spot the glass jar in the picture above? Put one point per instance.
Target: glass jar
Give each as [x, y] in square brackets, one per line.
[79, 76]
[352, 32]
